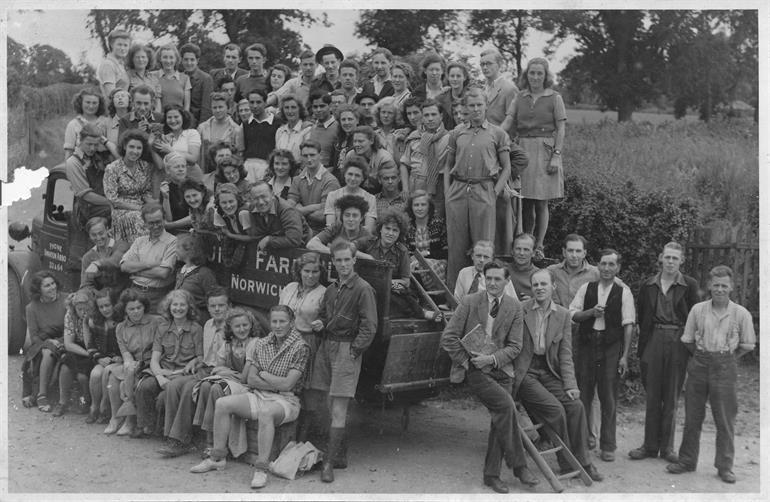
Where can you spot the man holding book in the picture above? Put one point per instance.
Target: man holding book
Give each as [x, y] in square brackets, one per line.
[482, 338]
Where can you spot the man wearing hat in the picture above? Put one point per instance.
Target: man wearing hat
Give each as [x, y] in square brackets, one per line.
[330, 58]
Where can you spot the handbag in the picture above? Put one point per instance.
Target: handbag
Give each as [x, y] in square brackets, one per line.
[294, 458]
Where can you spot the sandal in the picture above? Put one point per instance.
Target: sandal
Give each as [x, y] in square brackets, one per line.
[59, 410]
[43, 404]
[28, 401]
[538, 255]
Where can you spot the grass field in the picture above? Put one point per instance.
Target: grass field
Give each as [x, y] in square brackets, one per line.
[581, 116]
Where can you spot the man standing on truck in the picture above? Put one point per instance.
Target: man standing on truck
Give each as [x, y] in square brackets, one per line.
[348, 317]
[490, 375]
[151, 258]
[85, 172]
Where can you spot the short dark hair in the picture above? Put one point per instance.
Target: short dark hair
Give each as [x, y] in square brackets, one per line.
[231, 47]
[496, 264]
[574, 238]
[307, 54]
[256, 47]
[219, 176]
[190, 47]
[282, 68]
[134, 134]
[322, 95]
[37, 281]
[89, 131]
[132, 295]
[609, 251]
[349, 63]
[411, 101]
[354, 201]
[430, 102]
[310, 143]
[190, 184]
[185, 115]
[261, 92]
[142, 89]
[721, 271]
[396, 217]
[224, 79]
[286, 154]
[150, 208]
[77, 101]
[218, 290]
[132, 52]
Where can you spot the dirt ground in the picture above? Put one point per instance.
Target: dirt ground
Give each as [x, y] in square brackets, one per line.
[441, 452]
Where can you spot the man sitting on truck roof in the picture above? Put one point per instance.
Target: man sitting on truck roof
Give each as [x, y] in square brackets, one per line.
[151, 258]
[85, 172]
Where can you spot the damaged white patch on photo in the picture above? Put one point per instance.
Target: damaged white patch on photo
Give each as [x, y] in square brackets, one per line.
[24, 180]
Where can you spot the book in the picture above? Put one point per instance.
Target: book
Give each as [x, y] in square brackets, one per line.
[476, 341]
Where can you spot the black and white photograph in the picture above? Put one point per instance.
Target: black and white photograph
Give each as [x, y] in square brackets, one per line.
[459, 251]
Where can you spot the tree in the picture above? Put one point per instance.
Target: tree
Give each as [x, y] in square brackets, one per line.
[49, 65]
[18, 68]
[407, 31]
[506, 30]
[619, 51]
[239, 26]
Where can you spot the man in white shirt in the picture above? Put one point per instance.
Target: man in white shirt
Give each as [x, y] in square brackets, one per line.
[471, 279]
[606, 316]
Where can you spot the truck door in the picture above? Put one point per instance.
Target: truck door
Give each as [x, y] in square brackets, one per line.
[54, 233]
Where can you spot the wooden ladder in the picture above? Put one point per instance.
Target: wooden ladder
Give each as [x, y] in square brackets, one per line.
[449, 298]
[537, 456]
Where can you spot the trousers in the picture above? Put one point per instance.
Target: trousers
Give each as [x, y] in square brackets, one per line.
[470, 217]
[666, 358]
[712, 376]
[504, 441]
[179, 408]
[596, 369]
[544, 398]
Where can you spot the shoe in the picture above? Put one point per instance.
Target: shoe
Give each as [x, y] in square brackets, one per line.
[127, 429]
[336, 436]
[259, 480]
[593, 473]
[28, 401]
[340, 459]
[607, 456]
[104, 418]
[641, 453]
[678, 468]
[525, 476]
[727, 476]
[93, 417]
[141, 433]
[175, 448]
[115, 424]
[83, 406]
[59, 410]
[670, 457]
[591, 443]
[43, 404]
[496, 484]
[209, 464]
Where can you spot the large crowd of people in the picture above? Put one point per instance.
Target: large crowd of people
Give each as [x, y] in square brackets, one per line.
[167, 159]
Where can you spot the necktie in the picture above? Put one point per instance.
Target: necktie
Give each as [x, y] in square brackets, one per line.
[495, 308]
[475, 284]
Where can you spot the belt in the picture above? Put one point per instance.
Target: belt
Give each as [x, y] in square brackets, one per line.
[472, 181]
[713, 352]
[667, 326]
[147, 288]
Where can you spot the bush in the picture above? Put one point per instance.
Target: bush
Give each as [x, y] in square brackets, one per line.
[619, 215]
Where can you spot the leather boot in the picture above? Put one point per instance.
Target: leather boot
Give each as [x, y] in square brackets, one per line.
[335, 439]
[340, 459]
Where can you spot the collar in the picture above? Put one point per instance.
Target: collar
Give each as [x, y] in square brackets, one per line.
[655, 279]
[349, 282]
[728, 310]
[551, 306]
[273, 208]
[268, 119]
[176, 75]
[164, 237]
[252, 74]
[297, 127]
[186, 269]
[381, 196]
[290, 339]
[546, 92]
[328, 122]
[318, 175]
[78, 153]
[114, 59]
[110, 244]
[563, 265]
[146, 319]
[483, 125]
[491, 298]
[251, 119]
[132, 116]
[526, 268]
[495, 81]
[185, 325]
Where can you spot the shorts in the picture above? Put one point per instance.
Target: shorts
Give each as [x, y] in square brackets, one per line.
[334, 371]
[289, 403]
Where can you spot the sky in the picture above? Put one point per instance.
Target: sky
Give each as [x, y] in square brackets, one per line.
[66, 30]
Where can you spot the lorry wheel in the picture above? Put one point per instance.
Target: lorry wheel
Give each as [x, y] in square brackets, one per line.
[17, 327]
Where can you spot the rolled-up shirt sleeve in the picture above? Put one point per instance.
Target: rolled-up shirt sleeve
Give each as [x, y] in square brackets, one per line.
[628, 311]
[576, 305]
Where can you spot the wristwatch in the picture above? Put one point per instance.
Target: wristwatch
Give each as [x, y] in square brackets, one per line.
[557, 152]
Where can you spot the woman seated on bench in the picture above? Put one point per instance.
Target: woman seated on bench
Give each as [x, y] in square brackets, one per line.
[275, 367]
[352, 209]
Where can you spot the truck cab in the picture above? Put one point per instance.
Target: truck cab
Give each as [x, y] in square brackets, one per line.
[404, 362]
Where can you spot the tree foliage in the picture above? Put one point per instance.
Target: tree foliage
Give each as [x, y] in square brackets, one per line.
[407, 31]
[179, 26]
[39, 66]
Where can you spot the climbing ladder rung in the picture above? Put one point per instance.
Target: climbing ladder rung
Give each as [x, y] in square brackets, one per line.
[569, 475]
[532, 427]
[551, 450]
